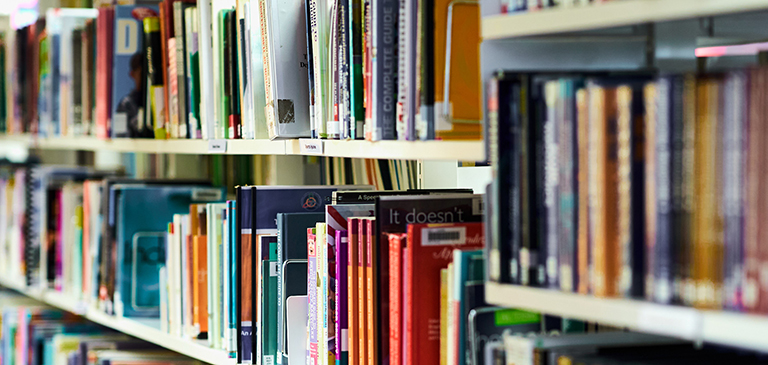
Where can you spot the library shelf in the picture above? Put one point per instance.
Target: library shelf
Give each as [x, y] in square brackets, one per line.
[144, 329]
[611, 14]
[726, 328]
[405, 150]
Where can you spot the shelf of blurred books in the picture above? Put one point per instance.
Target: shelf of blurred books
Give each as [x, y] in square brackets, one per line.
[147, 329]
[408, 150]
[510, 23]
[734, 329]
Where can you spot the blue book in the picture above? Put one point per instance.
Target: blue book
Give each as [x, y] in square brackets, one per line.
[291, 252]
[142, 216]
[127, 68]
[384, 63]
[468, 266]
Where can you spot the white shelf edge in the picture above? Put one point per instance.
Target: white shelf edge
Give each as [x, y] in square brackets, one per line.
[740, 330]
[191, 348]
[406, 150]
[612, 14]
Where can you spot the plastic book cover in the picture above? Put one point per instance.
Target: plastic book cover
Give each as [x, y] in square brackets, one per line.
[127, 68]
[487, 325]
[269, 299]
[291, 251]
[256, 71]
[341, 315]
[312, 293]
[286, 59]
[141, 224]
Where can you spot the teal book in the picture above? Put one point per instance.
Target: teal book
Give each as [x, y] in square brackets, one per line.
[468, 266]
[141, 222]
[223, 107]
[269, 299]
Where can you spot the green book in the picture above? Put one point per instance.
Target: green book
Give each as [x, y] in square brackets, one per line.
[269, 299]
[222, 120]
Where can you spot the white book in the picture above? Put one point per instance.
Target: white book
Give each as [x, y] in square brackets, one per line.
[226, 336]
[256, 70]
[164, 299]
[178, 299]
[209, 270]
[184, 274]
[285, 73]
[207, 86]
[319, 18]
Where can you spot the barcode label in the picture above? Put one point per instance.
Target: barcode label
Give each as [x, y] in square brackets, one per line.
[443, 236]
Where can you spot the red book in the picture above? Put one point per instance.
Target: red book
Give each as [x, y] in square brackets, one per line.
[372, 299]
[104, 43]
[362, 245]
[397, 243]
[432, 245]
[352, 305]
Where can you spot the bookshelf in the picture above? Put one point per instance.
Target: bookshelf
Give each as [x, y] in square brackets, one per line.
[613, 14]
[403, 150]
[733, 329]
[147, 330]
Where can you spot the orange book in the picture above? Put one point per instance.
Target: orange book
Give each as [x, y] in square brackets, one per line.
[754, 194]
[708, 222]
[603, 190]
[352, 305]
[200, 258]
[372, 304]
[462, 117]
[582, 230]
[362, 304]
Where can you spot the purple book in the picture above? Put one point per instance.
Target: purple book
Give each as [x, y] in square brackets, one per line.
[342, 324]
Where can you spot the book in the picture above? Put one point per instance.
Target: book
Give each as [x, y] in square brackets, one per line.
[140, 234]
[269, 299]
[104, 63]
[155, 107]
[292, 252]
[287, 103]
[397, 317]
[430, 245]
[312, 293]
[128, 86]
[341, 314]
[384, 63]
[393, 214]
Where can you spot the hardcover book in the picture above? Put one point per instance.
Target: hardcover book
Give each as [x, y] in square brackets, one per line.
[393, 214]
[429, 249]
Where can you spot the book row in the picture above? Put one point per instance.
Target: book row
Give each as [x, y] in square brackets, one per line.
[40, 335]
[632, 185]
[611, 347]
[247, 69]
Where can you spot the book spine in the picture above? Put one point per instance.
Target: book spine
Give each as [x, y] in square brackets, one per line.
[685, 221]
[362, 292]
[352, 293]
[312, 292]
[528, 233]
[494, 248]
[762, 252]
[181, 69]
[345, 36]
[395, 291]
[567, 192]
[597, 192]
[733, 175]
[620, 250]
[234, 281]
[582, 218]
[173, 89]
[371, 295]
[235, 121]
[384, 72]
[755, 161]
[412, 70]
[538, 255]
[638, 143]
[155, 74]
[552, 126]
[342, 320]
[246, 292]
[402, 62]
[426, 122]
[356, 73]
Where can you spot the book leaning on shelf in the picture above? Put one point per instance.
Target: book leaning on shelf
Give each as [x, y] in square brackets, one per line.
[245, 70]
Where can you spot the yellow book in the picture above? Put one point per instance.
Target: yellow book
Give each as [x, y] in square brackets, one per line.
[444, 317]
[450, 346]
